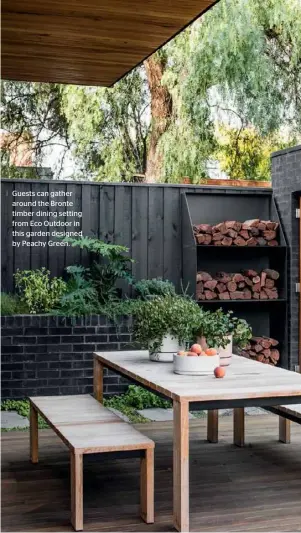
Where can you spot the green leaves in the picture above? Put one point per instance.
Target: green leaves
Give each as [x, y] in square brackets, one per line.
[217, 326]
[175, 315]
[37, 291]
[146, 288]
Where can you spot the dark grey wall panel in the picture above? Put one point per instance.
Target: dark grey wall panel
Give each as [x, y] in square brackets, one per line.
[286, 180]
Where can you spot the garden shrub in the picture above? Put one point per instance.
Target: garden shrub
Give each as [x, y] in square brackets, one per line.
[11, 305]
[37, 291]
[147, 288]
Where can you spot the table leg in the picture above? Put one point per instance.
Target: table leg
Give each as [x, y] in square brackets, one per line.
[284, 430]
[98, 380]
[181, 466]
[212, 425]
[239, 426]
[34, 435]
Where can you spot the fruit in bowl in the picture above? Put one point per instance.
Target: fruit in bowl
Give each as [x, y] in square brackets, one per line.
[196, 361]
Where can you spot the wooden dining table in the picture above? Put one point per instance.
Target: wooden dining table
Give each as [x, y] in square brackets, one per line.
[246, 383]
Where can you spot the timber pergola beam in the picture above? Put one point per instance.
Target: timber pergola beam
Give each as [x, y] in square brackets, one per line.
[88, 42]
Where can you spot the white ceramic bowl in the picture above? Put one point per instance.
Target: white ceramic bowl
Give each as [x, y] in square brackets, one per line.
[195, 366]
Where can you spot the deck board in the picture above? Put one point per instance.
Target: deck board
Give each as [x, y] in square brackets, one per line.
[256, 488]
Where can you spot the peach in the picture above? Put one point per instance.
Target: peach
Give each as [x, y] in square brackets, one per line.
[192, 354]
[219, 372]
[202, 353]
[196, 348]
[210, 351]
[181, 353]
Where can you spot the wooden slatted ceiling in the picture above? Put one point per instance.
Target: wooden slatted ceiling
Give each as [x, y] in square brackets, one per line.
[89, 42]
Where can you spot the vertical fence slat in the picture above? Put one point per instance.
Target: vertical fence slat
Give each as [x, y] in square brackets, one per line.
[140, 231]
[155, 232]
[57, 253]
[106, 213]
[172, 236]
[22, 253]
[7, 251]
[73, 254]
[39, 254]
[123, 225]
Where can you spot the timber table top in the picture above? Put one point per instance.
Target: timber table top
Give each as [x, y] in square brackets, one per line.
[245, 379]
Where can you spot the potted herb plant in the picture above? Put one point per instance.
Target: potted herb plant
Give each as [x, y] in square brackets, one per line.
[219, 330]
[165, 324]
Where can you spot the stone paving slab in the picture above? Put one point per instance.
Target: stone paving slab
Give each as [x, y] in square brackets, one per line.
[166, 415]
[159, 415]
[11, 419]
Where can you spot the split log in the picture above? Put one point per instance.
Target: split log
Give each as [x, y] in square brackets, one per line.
[272, 274]
[256, 279]
[263, 295]
[210, 284]
[263, 279]
[204, 228]
[239, 241]
[200, 238]
[273, 243]
[238, 277]
[251, 223]
[224, 296]
[269, 235]
[237, 295]
[254, 232]
[221, 287]
[241, 285]
[248, 294]
[244, 234]
[252, 241]
[261, 241]
[203, 276]
[232, 233]
[209, 295]
[217, 236]
[220, 228]
[227, 241]
[231, 286]
[256, 287]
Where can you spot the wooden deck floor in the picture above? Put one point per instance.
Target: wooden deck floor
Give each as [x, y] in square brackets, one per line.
[257, 488]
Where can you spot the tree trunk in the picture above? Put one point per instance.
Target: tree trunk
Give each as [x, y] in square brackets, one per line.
[161, 109]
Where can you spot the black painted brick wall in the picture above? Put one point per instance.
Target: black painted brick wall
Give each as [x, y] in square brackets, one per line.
[286, 182]
[47, 355]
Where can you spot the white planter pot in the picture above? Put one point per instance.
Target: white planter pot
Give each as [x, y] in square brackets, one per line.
[169, 346]
[225, 354]
[195, 366]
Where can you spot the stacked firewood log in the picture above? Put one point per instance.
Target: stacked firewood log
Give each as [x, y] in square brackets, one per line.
[245, 285]
[261, 349]
[233, 233]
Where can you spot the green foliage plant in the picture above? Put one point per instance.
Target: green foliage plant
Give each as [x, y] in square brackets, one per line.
[147, 288]
[217, 326]
[136, 398]
[111, 265]
[81, 297]
[11, 305]
[177, 316]
[37, 291]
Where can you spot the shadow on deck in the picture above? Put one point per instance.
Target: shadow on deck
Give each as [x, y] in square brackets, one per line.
[257, 488]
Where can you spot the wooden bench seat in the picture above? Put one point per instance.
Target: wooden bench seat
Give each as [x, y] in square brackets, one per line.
[86, 426]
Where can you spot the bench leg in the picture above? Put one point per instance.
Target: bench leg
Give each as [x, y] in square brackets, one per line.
[284, 430]
[34, 435]
[76, 467]
[239, 426]
[212, 425]
[98, 380]
[147, 486]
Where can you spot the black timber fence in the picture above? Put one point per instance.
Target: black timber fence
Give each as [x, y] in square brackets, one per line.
[144, 217]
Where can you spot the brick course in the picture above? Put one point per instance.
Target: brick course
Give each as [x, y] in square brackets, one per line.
[286, 182]
[44, 354]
